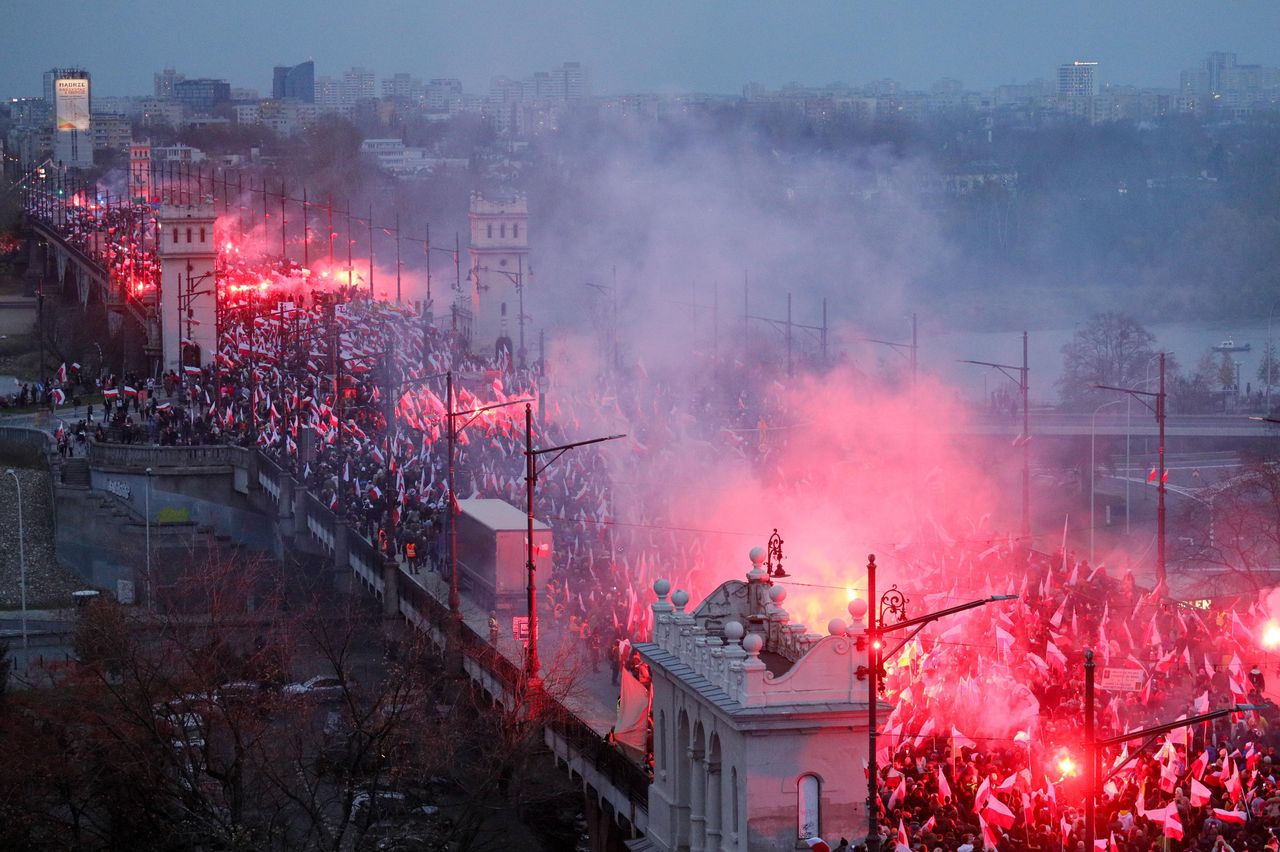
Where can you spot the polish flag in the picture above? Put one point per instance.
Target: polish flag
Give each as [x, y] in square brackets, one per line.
[1199, 794]
[899, 793]
[997, 813]
[980, 798]
[1055, 658]
[988, 836]
[902, 843]
[960, 741]
[818, 844]
[1172, 823]
[944, 789]
[1231, 817]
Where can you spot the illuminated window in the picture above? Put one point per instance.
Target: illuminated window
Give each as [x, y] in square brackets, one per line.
[808, 798]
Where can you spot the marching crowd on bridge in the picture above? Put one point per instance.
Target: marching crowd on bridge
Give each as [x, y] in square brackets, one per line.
[983, 748]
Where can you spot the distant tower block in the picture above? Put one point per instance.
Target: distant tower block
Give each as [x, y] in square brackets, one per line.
[499, 268]
[188, 291]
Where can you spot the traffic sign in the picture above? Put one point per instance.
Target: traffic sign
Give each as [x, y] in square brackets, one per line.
[1121, 680]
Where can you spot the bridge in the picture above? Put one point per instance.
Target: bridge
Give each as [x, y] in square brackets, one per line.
[210, 480]
[1142, 424]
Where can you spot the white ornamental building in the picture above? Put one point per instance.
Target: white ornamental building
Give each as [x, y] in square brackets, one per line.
[759, 727]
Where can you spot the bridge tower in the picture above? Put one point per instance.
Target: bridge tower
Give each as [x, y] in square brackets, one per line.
[498, 270]
[188, 291]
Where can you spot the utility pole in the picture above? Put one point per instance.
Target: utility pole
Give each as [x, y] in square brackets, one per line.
[1094, 746]
[531, 667]
[1158, 408]
[397, 255]
[892, 603]
[371, 252]
[1022, 376]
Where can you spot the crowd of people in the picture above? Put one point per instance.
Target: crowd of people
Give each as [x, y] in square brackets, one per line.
[984, 746]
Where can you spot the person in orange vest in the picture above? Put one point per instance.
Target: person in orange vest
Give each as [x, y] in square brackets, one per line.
[411, 554]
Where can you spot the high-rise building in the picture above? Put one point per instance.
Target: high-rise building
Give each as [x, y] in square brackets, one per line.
[574, 81]
[403, 86]
[295, 81]
[444, 95]
[356, 84]
[1077, 79]
[68, 90]
[202, 94]
[165, 81]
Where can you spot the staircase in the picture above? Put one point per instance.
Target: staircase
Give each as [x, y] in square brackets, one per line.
[75, 472]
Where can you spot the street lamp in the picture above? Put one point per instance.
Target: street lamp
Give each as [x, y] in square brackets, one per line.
[613, 291]
[1157, 407]
[1024, 439]
[891, 603]
[452, 432]
[531, 479]
[151, 603]
[22, 559]
[1093, 467]
[1093, 745]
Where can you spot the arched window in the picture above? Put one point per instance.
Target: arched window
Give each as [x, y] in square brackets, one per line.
[489, 231]
[188, 235]
[808, 810]
[202, 235]
[515, 230]
[504, 230]
[175, 235]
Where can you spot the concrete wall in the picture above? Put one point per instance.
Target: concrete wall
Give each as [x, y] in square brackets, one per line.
[185, 496]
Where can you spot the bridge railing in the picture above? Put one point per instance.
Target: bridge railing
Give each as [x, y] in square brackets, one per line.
[142, 456]
[322, 523]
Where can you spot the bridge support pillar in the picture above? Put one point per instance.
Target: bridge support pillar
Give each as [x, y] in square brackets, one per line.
[342, 579]
[390, 588]
[37, 258]
[602, 828]
[299, 509]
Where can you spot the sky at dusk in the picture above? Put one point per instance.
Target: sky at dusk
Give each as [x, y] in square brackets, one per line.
[659, 45]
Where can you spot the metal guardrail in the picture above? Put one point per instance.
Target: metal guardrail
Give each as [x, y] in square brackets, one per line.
[143, 456]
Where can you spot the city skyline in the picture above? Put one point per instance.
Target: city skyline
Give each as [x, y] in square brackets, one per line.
[671, 48]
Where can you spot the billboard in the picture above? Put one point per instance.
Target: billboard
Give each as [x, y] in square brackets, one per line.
[71, 99]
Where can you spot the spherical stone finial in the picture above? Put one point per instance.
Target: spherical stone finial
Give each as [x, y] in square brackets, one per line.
[778, 594]
[680, 597]
[733, 630]
[857, 608]
[661, 587]
[836, 627]
[753, 643]
[757, 555]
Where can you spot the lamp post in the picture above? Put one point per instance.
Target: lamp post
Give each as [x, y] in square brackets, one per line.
[1024, 440]
[151, 602]
[531, 480]
[1157, 407]
[1093, 467]
[1093, 745]
[613, 325]
[22, 560]
[452, 432]
[892, 603]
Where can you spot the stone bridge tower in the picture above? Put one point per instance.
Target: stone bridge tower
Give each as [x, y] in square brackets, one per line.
[188, 291]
